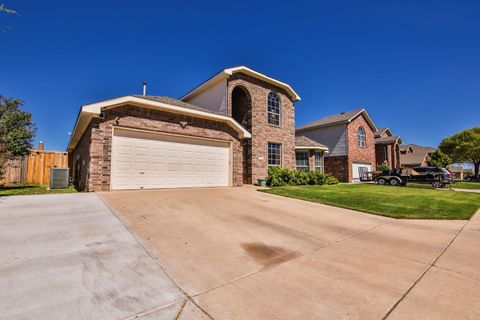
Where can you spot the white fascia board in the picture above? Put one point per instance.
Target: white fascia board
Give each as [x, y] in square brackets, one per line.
[265, 78]
[94, 109]
[367, 116]
[228, 72]
[310, 148]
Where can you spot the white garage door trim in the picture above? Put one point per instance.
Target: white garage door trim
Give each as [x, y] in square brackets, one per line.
[172, 137]
[355, 171]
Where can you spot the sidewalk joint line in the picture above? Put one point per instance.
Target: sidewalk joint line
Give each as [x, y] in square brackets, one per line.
[422, 274]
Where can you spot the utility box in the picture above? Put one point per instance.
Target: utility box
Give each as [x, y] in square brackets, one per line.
[59, 178]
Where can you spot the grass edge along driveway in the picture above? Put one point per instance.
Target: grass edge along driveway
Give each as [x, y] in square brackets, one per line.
[30, 189]
[388, 201]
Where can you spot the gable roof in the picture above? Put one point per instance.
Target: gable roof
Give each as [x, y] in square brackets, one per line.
[93, 110]
[225, 73]
[302, 142]
[413, 158]
[387, 140]
[381, 131]
[418, 155]
[343, 117]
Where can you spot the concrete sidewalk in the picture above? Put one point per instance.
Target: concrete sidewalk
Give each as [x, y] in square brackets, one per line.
[68, 257]
[242, 254]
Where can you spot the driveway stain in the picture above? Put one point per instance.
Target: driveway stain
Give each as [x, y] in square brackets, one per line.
[268, 255]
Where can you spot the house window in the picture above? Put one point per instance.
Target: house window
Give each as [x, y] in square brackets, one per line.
[274, 154]
[302, 160]
[273, 109]
[361, 137]
[318, 161]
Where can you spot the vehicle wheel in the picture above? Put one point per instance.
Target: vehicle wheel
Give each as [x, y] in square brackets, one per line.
[382, 181]
[394, 182]
[437, 184]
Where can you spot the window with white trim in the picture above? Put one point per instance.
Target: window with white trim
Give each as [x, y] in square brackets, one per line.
[318, 161]
[301, 158]
[273, 103]
[274, 154]
[361, 137]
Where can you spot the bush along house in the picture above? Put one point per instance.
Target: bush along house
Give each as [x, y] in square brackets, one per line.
[350, 139]
[226, 132]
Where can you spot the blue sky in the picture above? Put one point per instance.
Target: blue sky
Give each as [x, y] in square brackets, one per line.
[414, 65]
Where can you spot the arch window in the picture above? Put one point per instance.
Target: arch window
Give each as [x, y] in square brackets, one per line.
[361, 137]
[273, 103]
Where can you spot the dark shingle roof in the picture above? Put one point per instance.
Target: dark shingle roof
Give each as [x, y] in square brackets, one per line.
[329, 120]
[175, 102]
[379, 132]
[302, 141]
[384, 140]
[418, 155]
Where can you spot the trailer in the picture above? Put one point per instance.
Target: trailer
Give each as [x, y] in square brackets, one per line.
[400, 177]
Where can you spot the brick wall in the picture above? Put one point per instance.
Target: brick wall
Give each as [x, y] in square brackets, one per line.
[100, 146]
[338, 166]
[261, 131]
[79, 160]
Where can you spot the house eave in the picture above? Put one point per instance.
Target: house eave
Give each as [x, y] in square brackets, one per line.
[224, 74]
[88, 112]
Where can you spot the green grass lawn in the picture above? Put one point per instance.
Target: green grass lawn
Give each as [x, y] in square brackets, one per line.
[395, 202]
[14, 190]
[467, 185]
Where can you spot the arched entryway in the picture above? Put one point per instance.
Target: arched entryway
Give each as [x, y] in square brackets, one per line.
[242, 113]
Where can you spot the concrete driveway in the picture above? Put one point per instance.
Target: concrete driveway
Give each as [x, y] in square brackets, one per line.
[241, 254]
[68, 257]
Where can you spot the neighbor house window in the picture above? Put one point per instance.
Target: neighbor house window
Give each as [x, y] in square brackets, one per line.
[273, 109]
[318, 161]
[302, 160]
[274, 154]
[361, 137]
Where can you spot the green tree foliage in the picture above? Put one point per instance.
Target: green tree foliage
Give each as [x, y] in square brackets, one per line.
[439, 159]
[16, 131]
[3, 8]
[464, 147]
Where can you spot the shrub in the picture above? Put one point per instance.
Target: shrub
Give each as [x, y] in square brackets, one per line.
[284, 177]
[383, 167]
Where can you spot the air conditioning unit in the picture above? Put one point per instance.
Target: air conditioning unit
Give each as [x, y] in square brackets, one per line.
[59, 178]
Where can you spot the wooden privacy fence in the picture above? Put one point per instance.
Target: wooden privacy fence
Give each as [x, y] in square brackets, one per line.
[34, 168]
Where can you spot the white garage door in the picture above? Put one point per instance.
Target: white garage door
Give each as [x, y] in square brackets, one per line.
[146, 160]
[358, 169]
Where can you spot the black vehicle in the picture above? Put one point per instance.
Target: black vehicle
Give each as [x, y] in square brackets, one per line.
[437, 177]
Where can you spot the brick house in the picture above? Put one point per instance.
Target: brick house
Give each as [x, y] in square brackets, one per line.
[225, 132]
[387, 148]
[413, 155]
[350, 139]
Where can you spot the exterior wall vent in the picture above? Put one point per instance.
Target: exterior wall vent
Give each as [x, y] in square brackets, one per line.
[59, 178]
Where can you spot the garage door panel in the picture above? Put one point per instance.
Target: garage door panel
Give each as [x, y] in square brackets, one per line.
[167, 161]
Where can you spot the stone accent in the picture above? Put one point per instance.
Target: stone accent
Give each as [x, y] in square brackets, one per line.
[96, 144]
[261, 131]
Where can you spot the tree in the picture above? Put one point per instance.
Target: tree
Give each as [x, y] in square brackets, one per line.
[464, 147]
[439, 159]
[16, 131]
[5, 9]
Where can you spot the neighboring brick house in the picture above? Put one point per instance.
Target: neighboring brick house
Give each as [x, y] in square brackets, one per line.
[413, 155]
[225, 132]
[387, 148]
[350, 138]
